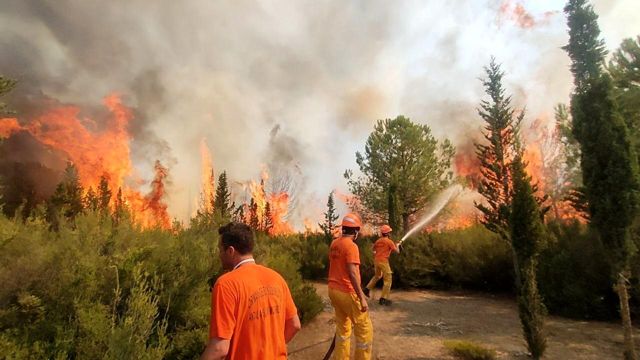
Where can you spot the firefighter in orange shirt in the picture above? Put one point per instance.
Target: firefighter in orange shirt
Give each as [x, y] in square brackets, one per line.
[252, 312]
[382, 249]
[346, 295]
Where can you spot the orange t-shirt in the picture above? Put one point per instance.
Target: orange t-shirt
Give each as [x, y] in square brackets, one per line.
[383, 248]
[343, 251]
[249, 306]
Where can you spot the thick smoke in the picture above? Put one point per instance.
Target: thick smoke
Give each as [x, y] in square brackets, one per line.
[294, 86]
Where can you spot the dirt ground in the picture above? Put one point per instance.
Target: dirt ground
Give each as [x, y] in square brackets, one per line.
[415, 326]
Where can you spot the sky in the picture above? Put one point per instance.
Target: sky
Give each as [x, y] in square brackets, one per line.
[291, 86]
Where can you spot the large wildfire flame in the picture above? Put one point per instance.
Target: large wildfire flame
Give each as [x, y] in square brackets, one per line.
[96, 152]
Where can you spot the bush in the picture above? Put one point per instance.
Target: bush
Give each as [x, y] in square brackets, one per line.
[472, 258]
[95, 289]
[573, 275]
[468, 350]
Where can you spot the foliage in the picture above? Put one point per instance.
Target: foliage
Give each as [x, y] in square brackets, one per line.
[527, 235]
[67, 200]
[609, 161]
[222, 205]
[402, 168]
[97, 288]
[330, 218]
[6, 85]
[575, 249]
[472, 258]
[468, 350]
[501, 134]
[623, 68]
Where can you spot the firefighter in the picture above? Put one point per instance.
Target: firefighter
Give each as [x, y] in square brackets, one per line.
[382, 249]
[252, 312]
[347, 297]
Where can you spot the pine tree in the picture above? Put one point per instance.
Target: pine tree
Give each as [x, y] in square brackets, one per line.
[500, 131]
[509, 196]
[268, 218]
[104, 194]
[91, 200]
[330, 217]
[609, 162]
[254, 221]
[238, 214]
[120, 208]
[66, 198]
[527, 232]
[221, 205]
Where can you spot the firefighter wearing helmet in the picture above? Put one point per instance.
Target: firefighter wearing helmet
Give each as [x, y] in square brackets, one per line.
[382, 249]
[347, 298]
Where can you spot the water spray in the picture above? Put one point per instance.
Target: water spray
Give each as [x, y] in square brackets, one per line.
[440, 202]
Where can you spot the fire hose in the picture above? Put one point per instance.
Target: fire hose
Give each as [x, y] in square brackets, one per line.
[331, 347]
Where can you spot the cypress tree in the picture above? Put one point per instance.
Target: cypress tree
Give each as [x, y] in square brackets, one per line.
[609, 163]
[527, 233]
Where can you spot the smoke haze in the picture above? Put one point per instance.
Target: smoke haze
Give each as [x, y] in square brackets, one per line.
[294, 86]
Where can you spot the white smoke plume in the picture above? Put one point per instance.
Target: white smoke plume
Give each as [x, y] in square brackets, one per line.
[293, 85]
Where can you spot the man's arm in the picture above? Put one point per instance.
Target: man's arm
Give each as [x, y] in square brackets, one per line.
[355, 282]
[291, 328]
[394, 246]
[216, 349]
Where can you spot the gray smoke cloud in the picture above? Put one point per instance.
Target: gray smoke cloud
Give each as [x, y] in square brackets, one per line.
[291, 85]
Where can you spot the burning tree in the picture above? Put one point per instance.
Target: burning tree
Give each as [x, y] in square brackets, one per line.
[403, 167]
[609, 162]
[511, 210]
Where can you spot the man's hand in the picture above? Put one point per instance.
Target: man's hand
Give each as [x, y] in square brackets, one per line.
[363, 304]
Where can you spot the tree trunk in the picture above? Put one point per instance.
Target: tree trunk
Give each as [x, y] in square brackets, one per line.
[625, 314]
[405, 223]
[392, 209]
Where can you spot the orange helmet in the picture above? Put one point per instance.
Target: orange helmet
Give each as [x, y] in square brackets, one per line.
[385, 229]
[352, 220]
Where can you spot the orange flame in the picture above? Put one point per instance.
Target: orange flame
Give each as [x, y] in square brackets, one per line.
[96, 152]
[9, 126]
[279, 206]
[208, 180]
[278, 203]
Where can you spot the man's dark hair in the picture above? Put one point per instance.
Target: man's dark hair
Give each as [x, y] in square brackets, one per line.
[346, 230]
[238, 235]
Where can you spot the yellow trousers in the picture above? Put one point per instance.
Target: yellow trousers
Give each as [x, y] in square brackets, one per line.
[383, 270]
[348, 315]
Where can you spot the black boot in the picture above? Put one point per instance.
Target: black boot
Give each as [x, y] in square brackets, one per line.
[384, 301]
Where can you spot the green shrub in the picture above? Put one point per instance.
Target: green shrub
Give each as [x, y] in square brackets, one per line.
[468, 350]
[97, 289]
[573, 276]
[472, 258]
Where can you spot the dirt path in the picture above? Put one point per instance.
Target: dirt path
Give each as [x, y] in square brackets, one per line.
[415, 326]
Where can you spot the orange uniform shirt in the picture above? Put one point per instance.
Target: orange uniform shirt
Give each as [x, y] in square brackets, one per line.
[343, 251]
[383, 248]
[249, 306]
